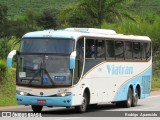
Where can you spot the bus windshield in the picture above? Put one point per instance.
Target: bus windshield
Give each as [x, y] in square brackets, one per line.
[44, 62]
[31, 45]
[43, 70]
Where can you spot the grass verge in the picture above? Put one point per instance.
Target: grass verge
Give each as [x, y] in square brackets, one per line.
[155, 82]
[8, 89]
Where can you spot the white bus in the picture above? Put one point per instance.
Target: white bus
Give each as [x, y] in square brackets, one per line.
[77, 67]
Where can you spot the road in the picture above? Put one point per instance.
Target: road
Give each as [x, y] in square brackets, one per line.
[151, 103]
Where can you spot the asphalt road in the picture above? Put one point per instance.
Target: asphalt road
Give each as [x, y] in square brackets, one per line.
[149, 104]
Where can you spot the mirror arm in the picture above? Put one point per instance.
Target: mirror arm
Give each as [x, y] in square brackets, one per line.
[10, 58]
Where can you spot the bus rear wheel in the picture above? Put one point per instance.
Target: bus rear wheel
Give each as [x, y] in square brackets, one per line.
[83, 107]
[36, 108]
[135, 99]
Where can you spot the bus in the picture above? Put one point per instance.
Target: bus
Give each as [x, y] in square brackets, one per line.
[81, 67]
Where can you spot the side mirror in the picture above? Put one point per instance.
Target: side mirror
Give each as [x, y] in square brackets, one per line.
[10, 58]
[73, 60]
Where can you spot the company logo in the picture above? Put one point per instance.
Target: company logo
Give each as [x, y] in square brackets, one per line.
[119, 70]
[25, 89]
[19, 114]
[6, 114]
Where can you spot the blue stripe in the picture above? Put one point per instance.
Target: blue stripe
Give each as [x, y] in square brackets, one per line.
[9, 62]
[50, 101]
[123, 91]
[72, 63]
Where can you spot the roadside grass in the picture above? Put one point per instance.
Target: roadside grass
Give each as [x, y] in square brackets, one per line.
[155, 82]
[8, 89]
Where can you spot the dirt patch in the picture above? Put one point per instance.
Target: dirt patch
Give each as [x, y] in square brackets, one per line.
[155, 92]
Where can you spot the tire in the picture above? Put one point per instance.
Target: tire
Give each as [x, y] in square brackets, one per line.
[128, 102]
[83, 107]
[36, 108]
[135, 99]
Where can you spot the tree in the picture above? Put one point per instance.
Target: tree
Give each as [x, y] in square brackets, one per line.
[30, 19]
[3, 18]
[48, 19]
[75, 18]
[99, 10]
[3, 13]
[4, 48]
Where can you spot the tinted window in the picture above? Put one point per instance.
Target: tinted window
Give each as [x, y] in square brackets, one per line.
[136, 50]
[79, 61]
[80, 48]
[47, 46]
[109, 49]
[148, 50]
[128, 50]
[119, 49]
[90, 48]
[100, 50]
[143, 49]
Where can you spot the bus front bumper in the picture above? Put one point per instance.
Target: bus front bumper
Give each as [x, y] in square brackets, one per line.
[46, 101]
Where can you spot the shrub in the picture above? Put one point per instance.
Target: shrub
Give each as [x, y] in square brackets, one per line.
[3, 69]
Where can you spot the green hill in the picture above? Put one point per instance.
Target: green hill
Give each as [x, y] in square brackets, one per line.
[151, 5]
[18, 7]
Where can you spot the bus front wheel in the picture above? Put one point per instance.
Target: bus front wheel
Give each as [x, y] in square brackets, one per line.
[82, 108]
[36, 108]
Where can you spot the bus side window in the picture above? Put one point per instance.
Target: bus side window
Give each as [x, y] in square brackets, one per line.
[79, 60]
[143, 50]
[100, 50]
[109, 49]
[80, 49]
[128, 50]
[148, 50]
[119, 49]
[90, 48]
[136, 50]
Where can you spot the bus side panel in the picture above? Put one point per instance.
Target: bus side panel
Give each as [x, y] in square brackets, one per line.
[144, 80]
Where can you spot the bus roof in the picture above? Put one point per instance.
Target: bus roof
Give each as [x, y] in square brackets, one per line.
[82, 32]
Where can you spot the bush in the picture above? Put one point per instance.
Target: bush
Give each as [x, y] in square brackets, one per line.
[3, 69]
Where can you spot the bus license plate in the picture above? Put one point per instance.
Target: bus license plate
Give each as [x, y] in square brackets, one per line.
[41, 101]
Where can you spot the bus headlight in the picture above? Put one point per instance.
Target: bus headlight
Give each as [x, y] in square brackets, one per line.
[64, 94]
[22, 93]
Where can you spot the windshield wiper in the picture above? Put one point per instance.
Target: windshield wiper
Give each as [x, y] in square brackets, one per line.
[39, 71]
[46, 72]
